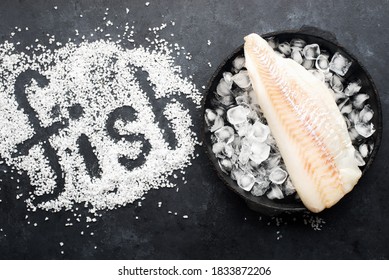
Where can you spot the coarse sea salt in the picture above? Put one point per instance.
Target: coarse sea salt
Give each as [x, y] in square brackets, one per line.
[89, 103]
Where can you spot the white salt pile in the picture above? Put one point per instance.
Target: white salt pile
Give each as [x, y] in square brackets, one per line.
[80, 123]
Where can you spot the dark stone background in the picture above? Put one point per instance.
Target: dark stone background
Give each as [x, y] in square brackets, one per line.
[219, 225]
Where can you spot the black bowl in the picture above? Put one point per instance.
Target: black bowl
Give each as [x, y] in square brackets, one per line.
[326, 41]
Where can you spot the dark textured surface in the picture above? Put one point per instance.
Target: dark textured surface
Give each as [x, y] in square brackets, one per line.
[219, 224]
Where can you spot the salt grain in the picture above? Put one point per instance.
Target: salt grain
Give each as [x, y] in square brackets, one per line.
[71, 82]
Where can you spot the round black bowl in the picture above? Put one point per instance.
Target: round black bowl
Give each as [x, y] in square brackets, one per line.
[326, 41]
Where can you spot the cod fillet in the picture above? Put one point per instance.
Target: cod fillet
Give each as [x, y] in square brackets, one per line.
[306, 123]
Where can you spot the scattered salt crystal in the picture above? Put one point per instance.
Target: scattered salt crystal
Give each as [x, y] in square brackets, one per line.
[113, 94]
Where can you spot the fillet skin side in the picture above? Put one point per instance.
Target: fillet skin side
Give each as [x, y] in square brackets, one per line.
[306, 123]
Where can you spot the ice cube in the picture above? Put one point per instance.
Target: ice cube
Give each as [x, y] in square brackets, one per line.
[236, 173]
[288, 187]
[366, 114]
[218, 148]
[218, 123]
[339, 64]
[296, 56]
[353, 116]
[210, 116]
[364, 150]
[359, 158]
[225, 165]
[322, 63]
[244, 154]
[259, 152]
[237, 91]
[225, 100]
[299, 43]
[253, 116]
[336, 83]
[364, 129]
[228, 151]
[352, 88]
[285, 48]
[359, 100]
[371, 146]
[237, 115]
[278, 176]
[239, 62]
[246, 181]
[220, 111]
[243, 99]
[227, 78]
[273, 161]
[275, 192]
[311, 51]
[242, 79]
[308, 64]
[259, 132]
[243, 128]
[225, 134]
[325, 53]
[260, 188]
[223, 88]
[346, 109]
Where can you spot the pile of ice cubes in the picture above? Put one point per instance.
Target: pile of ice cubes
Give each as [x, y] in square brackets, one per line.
[241, 139]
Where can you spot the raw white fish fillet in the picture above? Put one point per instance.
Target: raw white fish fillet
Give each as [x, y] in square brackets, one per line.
[306, 124]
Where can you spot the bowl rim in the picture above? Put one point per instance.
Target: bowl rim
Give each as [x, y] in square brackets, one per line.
[313, 33]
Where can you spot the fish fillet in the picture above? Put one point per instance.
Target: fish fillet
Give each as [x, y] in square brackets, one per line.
[306, 123]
